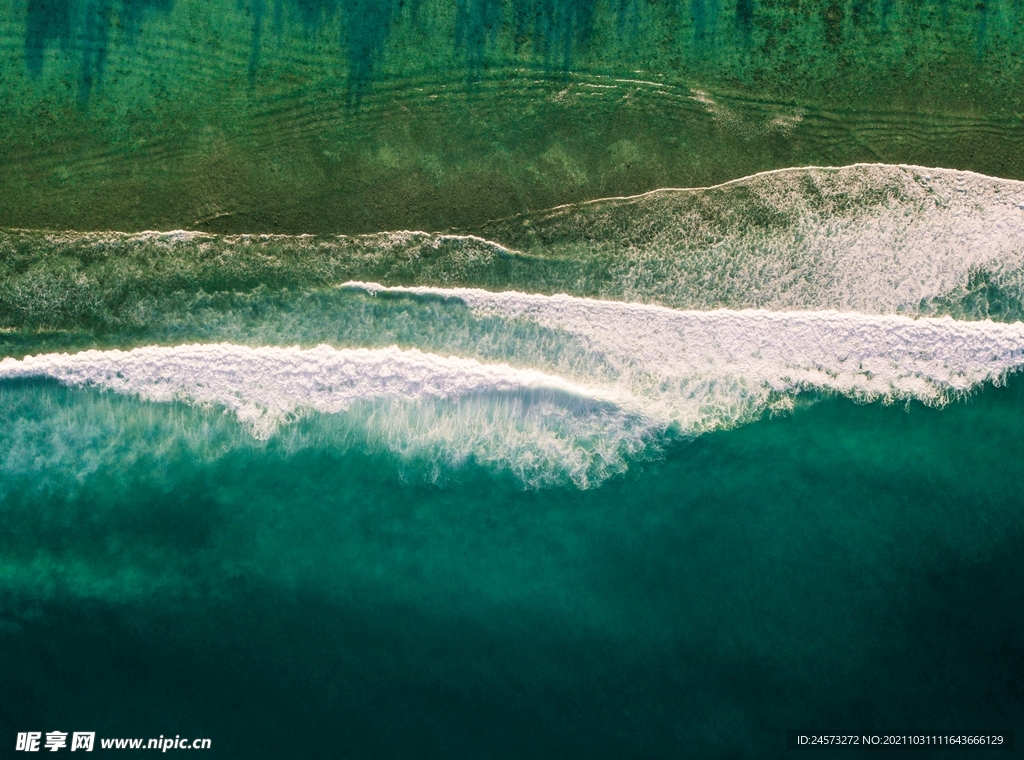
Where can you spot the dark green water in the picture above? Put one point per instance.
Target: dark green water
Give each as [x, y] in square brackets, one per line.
[760, 471]
[847, 566]
[661, 475]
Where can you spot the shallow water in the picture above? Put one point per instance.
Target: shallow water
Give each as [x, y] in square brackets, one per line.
[350, 116]
[526, 378]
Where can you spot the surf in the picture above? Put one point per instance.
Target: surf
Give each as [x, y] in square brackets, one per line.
[872, 238]
[612, 381]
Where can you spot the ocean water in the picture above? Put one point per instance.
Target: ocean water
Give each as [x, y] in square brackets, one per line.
[664, 475]
[358, 116]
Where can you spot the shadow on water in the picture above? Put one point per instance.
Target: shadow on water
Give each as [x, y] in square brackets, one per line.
[553, 32]
[556, 33]
[705, 24]
[365, 26]
[83, 26]
[83, 29]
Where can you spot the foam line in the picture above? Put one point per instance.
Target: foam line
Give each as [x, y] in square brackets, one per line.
[874, 238]
[871, 356]
[608, 381]
[265, 385]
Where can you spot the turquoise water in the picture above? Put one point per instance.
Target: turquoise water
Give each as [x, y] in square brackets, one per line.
[511, 378]
[662, 476]
[846, 565]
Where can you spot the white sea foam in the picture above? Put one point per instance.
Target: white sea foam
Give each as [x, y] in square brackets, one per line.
[745, 356]
[417, 405]
[265, 385]
[645, 370]
[873, 238]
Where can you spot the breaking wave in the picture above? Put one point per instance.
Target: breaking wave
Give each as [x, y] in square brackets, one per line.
[607, 384]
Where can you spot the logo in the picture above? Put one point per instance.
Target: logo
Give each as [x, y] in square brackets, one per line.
[28, 741]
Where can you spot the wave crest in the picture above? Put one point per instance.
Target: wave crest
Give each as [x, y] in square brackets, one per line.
[607, 383]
